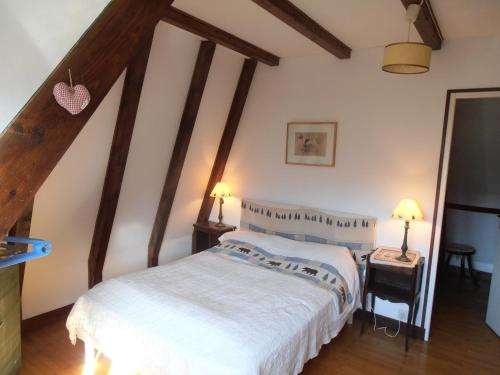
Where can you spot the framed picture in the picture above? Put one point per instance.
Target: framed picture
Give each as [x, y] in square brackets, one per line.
[311, 143]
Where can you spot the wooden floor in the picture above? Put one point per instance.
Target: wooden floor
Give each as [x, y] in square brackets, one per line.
[460, 344]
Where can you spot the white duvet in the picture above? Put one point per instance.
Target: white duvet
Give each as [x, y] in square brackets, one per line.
[207, 314]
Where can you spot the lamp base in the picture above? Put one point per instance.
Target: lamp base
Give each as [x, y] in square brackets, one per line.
[404, 247]
[403, 258]
[220, 224]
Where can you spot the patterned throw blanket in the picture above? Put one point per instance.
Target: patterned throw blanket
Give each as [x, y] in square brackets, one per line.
[323, 275]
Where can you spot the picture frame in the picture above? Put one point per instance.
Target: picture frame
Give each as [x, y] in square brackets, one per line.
[311, 143]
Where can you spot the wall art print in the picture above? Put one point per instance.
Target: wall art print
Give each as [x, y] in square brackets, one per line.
[311, 143]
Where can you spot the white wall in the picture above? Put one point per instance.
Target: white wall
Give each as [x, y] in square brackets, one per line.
[35, 35]
[65, 211]
[389, 134]
[476, 229]
[169, 74]
[388, 141]
[66, 205]
[473, 178]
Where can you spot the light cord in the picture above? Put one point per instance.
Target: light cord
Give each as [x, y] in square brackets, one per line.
[375, 328]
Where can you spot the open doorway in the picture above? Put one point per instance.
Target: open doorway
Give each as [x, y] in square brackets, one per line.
[466, 249]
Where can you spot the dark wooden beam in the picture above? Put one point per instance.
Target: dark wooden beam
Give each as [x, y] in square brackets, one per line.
[466, 207]
[232, 122]
[179, 152]
[203, 29]
[426, 24]
[301, 22]
[122, 137]
[22, 228]
[42, 131]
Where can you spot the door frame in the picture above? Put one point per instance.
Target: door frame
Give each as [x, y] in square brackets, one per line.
[442, 179]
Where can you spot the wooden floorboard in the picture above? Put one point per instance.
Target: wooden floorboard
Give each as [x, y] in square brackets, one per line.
[461, 343]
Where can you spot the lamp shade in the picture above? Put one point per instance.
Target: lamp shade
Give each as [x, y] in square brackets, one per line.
[408, 209]
[221, 190]
[407, 58]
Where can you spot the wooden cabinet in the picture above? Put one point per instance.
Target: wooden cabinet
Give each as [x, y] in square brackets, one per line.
[206, 235]
[10, 321]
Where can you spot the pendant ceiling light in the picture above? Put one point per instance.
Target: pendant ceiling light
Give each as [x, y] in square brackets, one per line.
[408, 57]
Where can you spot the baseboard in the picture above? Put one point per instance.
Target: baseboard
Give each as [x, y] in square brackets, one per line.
[481, 275]
[45, 319]
[418, 332]
[478, 265]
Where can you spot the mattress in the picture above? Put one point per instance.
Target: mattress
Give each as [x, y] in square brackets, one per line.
[218, 313]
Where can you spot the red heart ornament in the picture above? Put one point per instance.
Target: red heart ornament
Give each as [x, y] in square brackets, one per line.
[73, 99]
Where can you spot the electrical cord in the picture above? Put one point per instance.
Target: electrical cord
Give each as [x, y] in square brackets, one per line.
[375, 328]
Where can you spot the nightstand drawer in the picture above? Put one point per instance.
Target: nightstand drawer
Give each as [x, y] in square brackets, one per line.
[396, 280]
[206, 235]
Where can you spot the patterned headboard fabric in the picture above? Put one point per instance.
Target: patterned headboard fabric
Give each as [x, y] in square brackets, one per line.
[356, 232]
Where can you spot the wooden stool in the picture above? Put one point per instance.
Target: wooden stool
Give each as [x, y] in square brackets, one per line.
[463, 251]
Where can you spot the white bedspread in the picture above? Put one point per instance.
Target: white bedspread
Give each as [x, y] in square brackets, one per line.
[207, 314]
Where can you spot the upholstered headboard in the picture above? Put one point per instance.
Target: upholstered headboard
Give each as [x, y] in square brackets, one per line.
[355, 232]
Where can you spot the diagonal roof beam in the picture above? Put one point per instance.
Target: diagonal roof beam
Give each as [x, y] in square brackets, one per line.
[118, 154]
[203, 29]
[42, 131]
[426, 24]
[226, 142]
[179, 153]
[301, 22]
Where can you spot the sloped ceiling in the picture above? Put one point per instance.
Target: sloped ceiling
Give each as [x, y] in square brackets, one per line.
[358, 23]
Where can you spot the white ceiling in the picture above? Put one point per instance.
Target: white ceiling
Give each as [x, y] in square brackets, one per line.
[358, 23]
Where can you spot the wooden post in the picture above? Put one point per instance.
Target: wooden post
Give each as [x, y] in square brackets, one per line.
[117, 160]
[179, 153]
[233, 120]
[42, 131]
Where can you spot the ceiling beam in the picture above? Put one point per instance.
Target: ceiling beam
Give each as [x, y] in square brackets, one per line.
[203, 29]
[426, 24]
[226, 142]
[124, 128]
[188, 120]
[42, 131]
[301, 22]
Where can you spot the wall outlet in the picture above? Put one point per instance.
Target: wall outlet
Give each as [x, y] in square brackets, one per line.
[402, 315]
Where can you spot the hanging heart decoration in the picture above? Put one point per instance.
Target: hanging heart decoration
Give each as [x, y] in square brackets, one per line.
[74, 99]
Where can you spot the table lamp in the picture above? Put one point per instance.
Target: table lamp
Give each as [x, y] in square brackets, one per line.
[221, 191]
[407, 210]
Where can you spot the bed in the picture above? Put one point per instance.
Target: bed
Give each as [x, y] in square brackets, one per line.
[258, 303]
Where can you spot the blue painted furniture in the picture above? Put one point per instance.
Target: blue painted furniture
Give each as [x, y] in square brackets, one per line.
[9, 255]
[12, 252]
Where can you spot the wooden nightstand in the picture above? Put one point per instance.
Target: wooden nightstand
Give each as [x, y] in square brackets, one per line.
[206, 234]
[394, 284]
